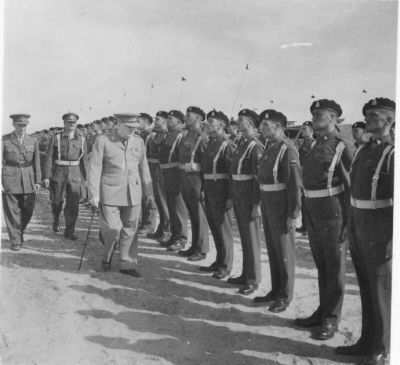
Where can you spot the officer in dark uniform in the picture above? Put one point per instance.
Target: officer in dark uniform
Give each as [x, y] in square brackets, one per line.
[21, 177]
[215, 166]
[360, 133]
[191, 150]
[148, 220]
[371, 232]
[280, 184]
[246, 201]
[64, 166]
[325, 177]
[307, 133]
[168, 157]
[162, 232]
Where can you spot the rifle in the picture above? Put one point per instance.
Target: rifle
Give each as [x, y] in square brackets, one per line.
[87, 239]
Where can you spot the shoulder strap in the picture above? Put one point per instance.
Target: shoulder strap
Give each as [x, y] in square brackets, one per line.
[248, 151]
[335, 160]
[220, 150]
[375, 178]
[177, 140]
[58, 146]
[277, 160]
[195, 149]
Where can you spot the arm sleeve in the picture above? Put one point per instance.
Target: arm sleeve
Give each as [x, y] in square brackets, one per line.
[228, 155]
[292, 177]
[95, 169]
[48, 161]
[36, 163]
[255, 158]
[145, 177]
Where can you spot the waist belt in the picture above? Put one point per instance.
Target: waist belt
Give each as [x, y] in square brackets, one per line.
[153, 160]
[188, 167]
[324, 192]
[169, 165]
[242, 177]
[273, 187]
[371, 204]
[67, 163]
[17, 164]
[216, 176]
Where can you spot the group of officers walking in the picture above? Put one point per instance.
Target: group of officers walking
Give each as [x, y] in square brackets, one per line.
[188, 168]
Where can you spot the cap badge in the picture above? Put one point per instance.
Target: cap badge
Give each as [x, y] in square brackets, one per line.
[373, 102]
[317, 104]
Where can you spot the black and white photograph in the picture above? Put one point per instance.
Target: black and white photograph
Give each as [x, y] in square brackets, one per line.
[190, 182]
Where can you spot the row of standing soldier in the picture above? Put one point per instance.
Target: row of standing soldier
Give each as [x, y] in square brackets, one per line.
[205, 176]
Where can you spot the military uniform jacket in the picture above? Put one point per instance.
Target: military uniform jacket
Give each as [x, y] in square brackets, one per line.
[245, 162]
[304, 148]
[280, 166]
[191, 150]
[318, 161]
[377, 224]
[61, 147]
[154, 144]
[118, 171]
[21, 164]
[216, 161]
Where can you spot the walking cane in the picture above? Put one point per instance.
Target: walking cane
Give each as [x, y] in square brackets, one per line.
[87, 238]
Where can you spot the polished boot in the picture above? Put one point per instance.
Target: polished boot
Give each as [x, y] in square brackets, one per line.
[212, 268]
[375, 359]
[222, 273]
[279, 306]
[326, 331]
[270, 297]
[187, 253]
[177, 246]
[312, 321]
[198, 256]
[248, 288]
[239, 280]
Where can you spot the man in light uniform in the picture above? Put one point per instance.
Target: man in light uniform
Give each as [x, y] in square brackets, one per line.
[118, 175]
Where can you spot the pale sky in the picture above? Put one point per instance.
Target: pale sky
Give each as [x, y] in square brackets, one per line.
[99, 57]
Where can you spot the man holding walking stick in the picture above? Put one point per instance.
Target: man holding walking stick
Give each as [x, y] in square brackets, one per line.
[118, 175]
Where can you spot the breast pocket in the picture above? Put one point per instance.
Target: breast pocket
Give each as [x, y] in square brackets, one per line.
[28, 153]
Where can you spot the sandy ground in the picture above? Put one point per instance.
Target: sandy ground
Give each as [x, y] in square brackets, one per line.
[52, 314]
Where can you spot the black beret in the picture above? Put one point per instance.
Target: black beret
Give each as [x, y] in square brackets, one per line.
[197, 110]
[96, 122]
[104, 120]
[162, 114]
[79, 126]
[379, 103]
[177, 114]
[51, 129]
[146, 116]
[233, 122]
[328, 105]
[276, 117]
[218, 115]
[252, 115]
[265, 114]
[70, 117]
[308, 123]
[361, 125]
[111, 118]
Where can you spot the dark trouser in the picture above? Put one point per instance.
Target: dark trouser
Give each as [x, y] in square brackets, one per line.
[220, 222]
[249, 230]
[373, 264]
[71, 190]
[303, 211]
[191, 193]
[160, 197]
[148, 217]
[325, 225]
[176, 206]
[18, 210]
[280, 244]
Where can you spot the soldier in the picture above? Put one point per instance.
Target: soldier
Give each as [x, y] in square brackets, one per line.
[168, 156]
[162, 232]
[21, 177]
[215, 166]
[118, 175]
[246, 201]
[148, 220]
[104, 127]
[324, 178]
[233, 132]
[371, 232]
[360, 134]
[307, 133]
[280, 184]
[65, 166]
[191, 150]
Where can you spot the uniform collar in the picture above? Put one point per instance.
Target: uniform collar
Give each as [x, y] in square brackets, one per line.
[330, 135]
[384, 139]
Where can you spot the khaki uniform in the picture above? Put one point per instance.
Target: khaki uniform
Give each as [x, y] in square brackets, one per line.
[65, 167]
[20, 172]
[118, 176]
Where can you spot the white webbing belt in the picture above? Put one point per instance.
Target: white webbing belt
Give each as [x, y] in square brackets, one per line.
[242, 177]
[273, 187]
[216, 176]
[323, 192]
[371, 204]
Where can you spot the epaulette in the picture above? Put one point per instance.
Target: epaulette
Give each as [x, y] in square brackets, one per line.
[6, 136]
